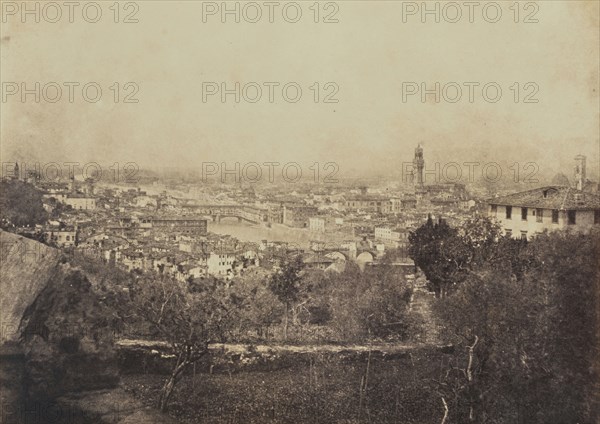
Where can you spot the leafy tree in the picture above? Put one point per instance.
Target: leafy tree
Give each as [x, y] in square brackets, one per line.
[480, 235]
[58, 208]
[344, 293]
[526, 341]
[511, 256]
[372, 303]
[314, 307]
[567, 265]
[256, 307]
[285, 284]
[433, 247]
[20, 204]
[187, 317]
[447, 255]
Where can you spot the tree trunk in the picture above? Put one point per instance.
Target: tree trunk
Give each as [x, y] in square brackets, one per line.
[167, 390]
[470, 380]
[285, 322]
[166, 393]
[445, 417]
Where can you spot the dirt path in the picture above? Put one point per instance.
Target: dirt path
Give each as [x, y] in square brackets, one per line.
[324, 348]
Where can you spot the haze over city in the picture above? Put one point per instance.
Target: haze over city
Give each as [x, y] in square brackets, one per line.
[368, 54]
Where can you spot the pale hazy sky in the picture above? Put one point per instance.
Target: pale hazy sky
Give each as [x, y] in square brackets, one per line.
[369, 54]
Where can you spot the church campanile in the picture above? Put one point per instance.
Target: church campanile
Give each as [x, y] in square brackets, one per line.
[418, 166]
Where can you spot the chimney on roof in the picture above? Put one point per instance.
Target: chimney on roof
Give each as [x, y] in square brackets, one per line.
[580, 176]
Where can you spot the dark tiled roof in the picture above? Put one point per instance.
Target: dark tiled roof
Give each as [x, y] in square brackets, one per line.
[79, 196]
[176, 218]
[367, 198]
[552, 197]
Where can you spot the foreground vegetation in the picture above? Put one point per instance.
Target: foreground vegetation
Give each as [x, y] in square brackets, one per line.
[523, 317]
[353, 306]
[315, 389]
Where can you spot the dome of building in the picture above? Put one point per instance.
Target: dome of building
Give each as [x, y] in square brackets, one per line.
[561, 180]
[591, 187]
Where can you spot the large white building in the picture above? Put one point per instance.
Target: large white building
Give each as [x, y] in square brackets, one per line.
[62, 237]
[316, 224]
[220, 262]
[80, 202]
[527, 213]
[392, 236]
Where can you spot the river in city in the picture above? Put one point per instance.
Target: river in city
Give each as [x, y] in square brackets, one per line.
[277, 232]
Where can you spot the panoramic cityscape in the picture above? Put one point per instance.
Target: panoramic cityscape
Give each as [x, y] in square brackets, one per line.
[300, 212]
[281, 257]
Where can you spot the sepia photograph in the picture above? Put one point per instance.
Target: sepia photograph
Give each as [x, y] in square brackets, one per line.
[300, 212]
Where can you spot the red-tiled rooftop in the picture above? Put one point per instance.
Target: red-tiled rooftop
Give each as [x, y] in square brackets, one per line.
[551, 197]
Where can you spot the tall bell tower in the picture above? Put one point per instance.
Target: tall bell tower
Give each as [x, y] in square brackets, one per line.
[418, 166]
[580, 176]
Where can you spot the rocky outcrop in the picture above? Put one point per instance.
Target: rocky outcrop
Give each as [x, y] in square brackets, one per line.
[59, 363]
[67, 338]
[25, 268]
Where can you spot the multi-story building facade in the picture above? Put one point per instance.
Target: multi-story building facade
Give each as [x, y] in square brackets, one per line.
[297, 216]
[527, 213]
[369, 203]
[182, 224]
[316, 224]
[80, 202]
[220, 262]
[65, 237]
[397, 237]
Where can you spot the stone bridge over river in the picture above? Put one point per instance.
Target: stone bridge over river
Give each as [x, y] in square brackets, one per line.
[251, 214]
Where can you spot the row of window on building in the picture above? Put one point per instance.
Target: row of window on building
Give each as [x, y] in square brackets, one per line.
[539, 215]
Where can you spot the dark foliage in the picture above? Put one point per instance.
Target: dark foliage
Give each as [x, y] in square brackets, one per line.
[525, 328]
[20, 204]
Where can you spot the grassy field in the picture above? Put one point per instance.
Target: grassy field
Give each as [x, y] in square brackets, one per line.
[321, 389]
